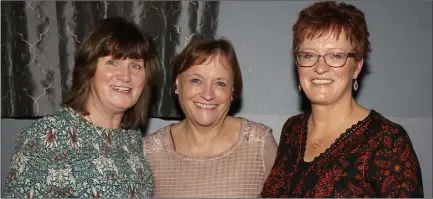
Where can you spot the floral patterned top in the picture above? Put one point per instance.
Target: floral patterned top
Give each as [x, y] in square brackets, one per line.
[64, 155]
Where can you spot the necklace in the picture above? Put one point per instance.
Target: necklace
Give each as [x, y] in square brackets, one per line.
[319, 142]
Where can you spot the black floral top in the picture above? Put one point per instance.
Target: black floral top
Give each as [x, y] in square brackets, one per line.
[64, 155]
[373, 158]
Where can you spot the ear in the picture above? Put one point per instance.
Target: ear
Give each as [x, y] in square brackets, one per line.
[358, 68]
[177, 82]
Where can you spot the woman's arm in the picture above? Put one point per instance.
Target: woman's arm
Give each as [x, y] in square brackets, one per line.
[38, 167]
[394, 169]
[269, 151]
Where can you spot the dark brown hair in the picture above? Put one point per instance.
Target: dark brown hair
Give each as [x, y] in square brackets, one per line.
[121, 39]
[199, 50]
[329, 17]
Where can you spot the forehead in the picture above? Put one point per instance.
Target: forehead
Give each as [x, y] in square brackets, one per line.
[329, 40]
[212, 66]
[108, 57]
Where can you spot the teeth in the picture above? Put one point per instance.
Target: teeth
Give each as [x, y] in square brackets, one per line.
[322, 81]
[205, 106]
[121, 89]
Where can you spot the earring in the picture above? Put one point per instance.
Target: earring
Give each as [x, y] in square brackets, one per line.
[299, 87]
[355, 85]
[175, 91]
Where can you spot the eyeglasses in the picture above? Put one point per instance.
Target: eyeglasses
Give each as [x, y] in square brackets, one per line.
[335, 60]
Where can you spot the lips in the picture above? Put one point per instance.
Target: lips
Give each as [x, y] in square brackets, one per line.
[322, 81]
[121, 89]
[205, 106]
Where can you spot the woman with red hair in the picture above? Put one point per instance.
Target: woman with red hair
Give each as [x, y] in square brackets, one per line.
[339, 148]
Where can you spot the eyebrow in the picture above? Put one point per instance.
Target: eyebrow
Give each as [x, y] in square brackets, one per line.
[222, 78]
[312, 49]
[138, 61]
[195, 74]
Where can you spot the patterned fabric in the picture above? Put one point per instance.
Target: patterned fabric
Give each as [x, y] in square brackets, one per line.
[373, 158]
[37, 50]
[238, 172]
[64, 155]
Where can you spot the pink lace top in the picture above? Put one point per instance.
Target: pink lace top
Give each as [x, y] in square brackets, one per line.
[240, 171]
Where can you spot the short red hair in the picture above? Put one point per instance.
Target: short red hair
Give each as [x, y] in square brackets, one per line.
[327, 17]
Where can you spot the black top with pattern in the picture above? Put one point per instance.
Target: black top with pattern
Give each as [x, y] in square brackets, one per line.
[373, 158]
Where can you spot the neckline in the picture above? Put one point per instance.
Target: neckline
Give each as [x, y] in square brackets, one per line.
[80, 118]
[198, 158]
[337, 141]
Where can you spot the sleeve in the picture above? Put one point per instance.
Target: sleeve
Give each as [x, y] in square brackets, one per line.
[275, 185]
[394, 168]
[269, 151]
[32, 172]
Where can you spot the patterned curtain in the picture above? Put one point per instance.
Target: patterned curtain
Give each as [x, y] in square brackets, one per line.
[38, 40]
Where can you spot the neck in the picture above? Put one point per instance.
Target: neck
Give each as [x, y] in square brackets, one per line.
[202, 135]
[330, 116]
[102, 117]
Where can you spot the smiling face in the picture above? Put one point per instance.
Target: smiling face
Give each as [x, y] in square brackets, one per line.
[117, 83]
[322, 84]
[205, 91]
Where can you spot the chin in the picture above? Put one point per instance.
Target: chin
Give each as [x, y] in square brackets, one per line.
[319, 101]
[205, 122]
[122, 107]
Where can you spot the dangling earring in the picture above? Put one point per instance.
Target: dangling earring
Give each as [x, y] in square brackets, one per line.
[299, 87]
[175, 91]
[233, 93]
[355, 85]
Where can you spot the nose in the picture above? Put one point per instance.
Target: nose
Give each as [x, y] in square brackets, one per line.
[125, 74]
[208, 92]
[321, 66]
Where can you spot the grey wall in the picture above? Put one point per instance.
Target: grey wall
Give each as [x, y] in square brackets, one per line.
[399, 83]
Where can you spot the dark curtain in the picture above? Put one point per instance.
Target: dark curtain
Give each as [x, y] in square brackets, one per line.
[38, 40]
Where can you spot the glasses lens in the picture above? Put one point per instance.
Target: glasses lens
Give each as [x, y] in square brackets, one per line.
[306, 59]
[335, 59]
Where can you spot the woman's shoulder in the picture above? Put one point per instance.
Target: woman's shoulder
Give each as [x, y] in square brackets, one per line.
[157, 140]
[384, 126]
[52, 122]
[295, 120]
[255, 130]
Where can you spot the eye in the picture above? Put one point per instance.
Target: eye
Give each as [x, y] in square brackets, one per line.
[111, 62]
[337, 55]
[306, 55]
[195, 81]
[221, 84]
[136, 66]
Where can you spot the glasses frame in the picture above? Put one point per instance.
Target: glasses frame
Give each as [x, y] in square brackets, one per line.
[351, 54]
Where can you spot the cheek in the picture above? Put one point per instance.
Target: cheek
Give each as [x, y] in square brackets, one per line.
[140, 80]
[187, 90]
[302, 74]
[225, 95]
[344, 75]
[100, 81]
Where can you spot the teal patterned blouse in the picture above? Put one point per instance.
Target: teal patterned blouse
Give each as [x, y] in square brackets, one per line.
[64, 155]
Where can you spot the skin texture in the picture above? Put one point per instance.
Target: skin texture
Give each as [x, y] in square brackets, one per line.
[341, 86]
[333, 107]
[205, 92]
[107, 103]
